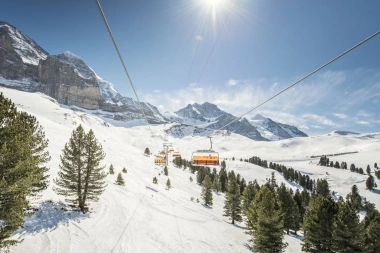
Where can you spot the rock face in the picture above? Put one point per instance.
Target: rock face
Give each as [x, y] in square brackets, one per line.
[66, 77]
[60, 80]
[19, 55]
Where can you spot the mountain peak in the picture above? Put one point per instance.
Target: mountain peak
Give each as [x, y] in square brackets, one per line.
[259, 117]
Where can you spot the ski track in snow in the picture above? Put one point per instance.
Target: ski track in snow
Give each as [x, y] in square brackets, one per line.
[133, 218]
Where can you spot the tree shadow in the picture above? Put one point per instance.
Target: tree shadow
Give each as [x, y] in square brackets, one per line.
[206, 206]
[377, 191]
[48, 216]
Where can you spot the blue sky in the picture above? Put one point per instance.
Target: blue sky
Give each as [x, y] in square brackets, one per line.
[265, 46]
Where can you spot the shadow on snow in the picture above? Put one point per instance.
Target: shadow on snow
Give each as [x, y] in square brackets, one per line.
[47, 216]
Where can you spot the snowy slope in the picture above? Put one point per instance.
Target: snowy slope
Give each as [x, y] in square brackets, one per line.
[136, 219]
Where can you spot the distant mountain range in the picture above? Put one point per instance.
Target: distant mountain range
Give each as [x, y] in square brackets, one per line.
[24, 65]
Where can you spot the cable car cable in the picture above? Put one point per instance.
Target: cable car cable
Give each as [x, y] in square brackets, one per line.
[122, 62]
[303, 78]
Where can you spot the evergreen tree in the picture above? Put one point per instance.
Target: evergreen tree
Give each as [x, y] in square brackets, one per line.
[81, 177]
[22, 169]
[223, 179]
[207, 191]
[370, 183]
[322, 188]
[120, 180]
[347, 235]
[216, 183]
[375, 165]
[124, 170]
[191, 179]
[371, 227]
[273, 181]
[264, 222]
[146, 151]
[168, 184]
[318, 225]
[368, 170]
[166, 172]
[249, 194]
[355, 198]
[232, 202]
[155, 181]
[111, 170]
[289, 209]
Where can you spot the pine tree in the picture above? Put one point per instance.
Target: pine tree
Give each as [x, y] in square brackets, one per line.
[223, 179]
[146, 151]
[370, 183]
[22, 169]
[81, 177]
[318, 225]
[371, 227]
[249, 194]
[368, 170]
[111, 170]
[168, 184]
[119, 179]
[322, 188]
[124, 170]
[347, 235]
[264, 222]
[155, 181]
[289, 209]
[207, 191]
[216, 183]
[166, 172]
[232, 202]
[355, 198]
[191, 179]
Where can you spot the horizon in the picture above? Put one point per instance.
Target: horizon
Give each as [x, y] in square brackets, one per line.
[250, 62]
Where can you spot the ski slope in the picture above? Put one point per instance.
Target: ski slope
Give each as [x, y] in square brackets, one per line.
[144, 217]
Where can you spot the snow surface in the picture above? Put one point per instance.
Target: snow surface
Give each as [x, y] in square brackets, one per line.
[144, 217]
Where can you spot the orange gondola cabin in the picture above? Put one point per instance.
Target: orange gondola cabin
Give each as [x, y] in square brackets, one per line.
[205, 158]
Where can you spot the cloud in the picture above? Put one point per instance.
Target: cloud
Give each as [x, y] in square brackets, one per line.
[232, 82]
[199, 38]
[340, 115]
[157, 91]
[362, 114]
[362, 122]
[317, 104]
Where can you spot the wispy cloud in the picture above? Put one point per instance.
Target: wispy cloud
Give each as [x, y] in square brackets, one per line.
[157, 91]
[340, 115]
[326, 102]
[199, 38]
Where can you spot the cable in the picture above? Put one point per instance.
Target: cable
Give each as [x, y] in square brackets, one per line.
[122, 62]
[303, 78]
[216, 41]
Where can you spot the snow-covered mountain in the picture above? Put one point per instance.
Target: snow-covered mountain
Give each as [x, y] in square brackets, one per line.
[24, 65]
[273, 130]
[210, 116]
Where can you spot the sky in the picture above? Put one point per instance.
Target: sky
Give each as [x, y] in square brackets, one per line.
[233, 53]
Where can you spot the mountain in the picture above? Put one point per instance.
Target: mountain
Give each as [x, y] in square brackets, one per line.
[209, 116]
[24, 65]
[196, 116]
[273, 130]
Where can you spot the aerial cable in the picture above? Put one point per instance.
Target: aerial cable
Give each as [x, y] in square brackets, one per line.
[216, 41]
[303, 78]
[122, 62]
[196, 51]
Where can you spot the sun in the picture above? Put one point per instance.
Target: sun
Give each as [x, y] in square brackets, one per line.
[215, 3]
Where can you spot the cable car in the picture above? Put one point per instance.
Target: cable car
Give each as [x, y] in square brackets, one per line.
[176, 154]
[171, 150]
[162, 152]
[205, 157]
[159, 160]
